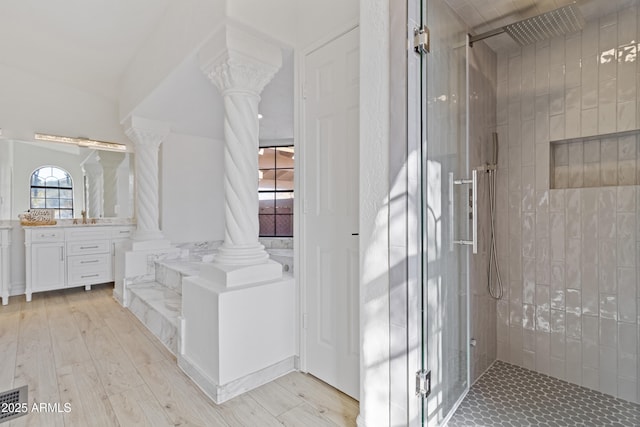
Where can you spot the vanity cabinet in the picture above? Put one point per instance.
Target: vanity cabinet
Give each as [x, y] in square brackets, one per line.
[65, 257]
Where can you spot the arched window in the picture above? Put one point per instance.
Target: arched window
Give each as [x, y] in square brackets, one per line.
[52, 188]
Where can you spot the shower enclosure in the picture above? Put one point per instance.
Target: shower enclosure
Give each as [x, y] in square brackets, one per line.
[446, 209]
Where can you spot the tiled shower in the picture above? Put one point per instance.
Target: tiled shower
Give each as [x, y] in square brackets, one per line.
[568, 206]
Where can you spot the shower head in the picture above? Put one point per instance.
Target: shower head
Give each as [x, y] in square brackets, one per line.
[564, 20]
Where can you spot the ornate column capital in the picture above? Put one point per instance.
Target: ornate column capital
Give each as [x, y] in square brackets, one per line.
[239, 60]
[145, 132]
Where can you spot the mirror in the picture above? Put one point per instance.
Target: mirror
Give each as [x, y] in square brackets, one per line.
[102, 181]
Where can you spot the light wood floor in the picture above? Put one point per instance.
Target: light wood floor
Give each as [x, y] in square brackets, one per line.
[82, 348]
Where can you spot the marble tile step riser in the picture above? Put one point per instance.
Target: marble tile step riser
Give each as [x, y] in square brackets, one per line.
[157, 322]
[169, 277]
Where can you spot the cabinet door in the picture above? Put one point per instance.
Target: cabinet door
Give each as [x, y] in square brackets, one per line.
[47, 266]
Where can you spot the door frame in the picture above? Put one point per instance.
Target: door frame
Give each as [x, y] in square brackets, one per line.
[299, 218]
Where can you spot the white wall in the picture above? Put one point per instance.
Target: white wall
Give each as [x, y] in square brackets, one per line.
[191, 190]
[32, 103]
[277, 18]
[316, 19]
[571, 255]
[187, 100]
[184, 26]
[374, 213]
[298, 23]
[6, 167]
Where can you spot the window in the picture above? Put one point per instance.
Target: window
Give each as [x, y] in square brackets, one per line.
[275, 191]
[52, 188]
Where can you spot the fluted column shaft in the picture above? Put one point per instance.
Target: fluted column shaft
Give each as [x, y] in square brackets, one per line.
[147, 143]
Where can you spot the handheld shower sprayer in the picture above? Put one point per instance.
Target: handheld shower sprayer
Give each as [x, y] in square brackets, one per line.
[495, 289]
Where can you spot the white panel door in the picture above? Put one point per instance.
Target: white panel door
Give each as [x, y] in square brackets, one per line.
[330, 248]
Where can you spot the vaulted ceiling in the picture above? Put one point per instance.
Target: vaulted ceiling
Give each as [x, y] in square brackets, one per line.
[80, 43]
[88, 45]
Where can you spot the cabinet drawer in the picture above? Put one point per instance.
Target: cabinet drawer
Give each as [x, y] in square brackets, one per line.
[81, 276]
[87, 233]
[89, 262]
[88, 247]
[121, 233]
[47, 235]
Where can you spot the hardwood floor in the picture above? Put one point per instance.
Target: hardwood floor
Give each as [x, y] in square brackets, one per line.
[82, 348]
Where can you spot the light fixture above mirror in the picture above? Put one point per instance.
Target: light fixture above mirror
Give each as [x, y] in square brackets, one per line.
[82, 142]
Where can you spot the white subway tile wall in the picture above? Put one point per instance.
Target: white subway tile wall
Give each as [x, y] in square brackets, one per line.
[482, 105]
[603, 162]
[571, 215]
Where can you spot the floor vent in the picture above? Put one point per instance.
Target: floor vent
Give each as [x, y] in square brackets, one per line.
[13, 403]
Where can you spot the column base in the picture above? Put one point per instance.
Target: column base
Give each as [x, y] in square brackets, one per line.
[230, 276]
[241, 255]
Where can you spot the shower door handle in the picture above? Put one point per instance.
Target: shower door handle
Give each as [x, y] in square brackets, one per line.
[474, 210]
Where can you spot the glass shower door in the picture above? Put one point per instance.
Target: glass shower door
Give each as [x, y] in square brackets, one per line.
[445, 213]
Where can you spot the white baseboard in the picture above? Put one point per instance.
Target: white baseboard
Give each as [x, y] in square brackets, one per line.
[221, 393]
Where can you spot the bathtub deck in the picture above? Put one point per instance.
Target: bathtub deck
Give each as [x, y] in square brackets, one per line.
[158, 304]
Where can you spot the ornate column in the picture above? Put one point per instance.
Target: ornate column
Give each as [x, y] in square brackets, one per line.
[93, 172]
[240, 65]
[147, 135]
[110, 162]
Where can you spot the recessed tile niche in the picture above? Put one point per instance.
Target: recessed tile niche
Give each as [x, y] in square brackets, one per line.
[596, 161]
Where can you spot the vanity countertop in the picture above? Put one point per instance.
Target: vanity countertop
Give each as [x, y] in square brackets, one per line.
[70, 224]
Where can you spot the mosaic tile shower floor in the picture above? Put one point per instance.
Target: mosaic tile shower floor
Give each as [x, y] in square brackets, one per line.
[508, 395]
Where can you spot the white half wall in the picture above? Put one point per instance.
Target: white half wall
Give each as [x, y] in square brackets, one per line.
[191, 188]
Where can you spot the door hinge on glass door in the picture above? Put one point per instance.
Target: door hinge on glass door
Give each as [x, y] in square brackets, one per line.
[423, 383]
[421, 40]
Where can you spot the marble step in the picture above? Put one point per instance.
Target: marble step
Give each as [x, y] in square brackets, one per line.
[171, 272]
[159, 309]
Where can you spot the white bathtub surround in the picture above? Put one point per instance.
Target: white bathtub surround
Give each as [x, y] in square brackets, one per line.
[137, 265]
[147, 135]
[277, 242]
[237, 339]
[158, 308]
[240, 64]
